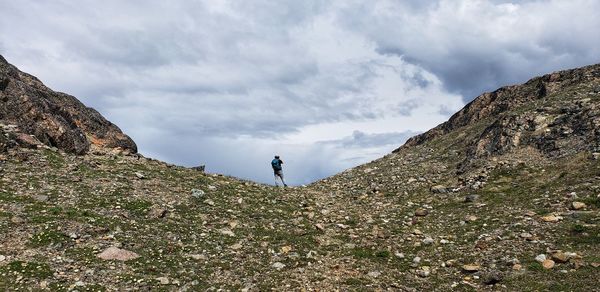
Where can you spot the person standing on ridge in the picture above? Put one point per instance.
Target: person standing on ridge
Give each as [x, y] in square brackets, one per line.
[276, 164]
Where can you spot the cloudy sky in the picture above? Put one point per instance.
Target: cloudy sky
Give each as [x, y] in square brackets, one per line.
[325, 84]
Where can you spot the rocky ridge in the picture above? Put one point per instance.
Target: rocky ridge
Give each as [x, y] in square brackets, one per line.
[55, 119]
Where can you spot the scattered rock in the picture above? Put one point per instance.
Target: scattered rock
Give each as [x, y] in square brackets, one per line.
[423, 272]
[319, 226]
[492, 278]
[551, 218]
[199, 168]
[278, 265]
[578, 205]
[196, 193]
[471, 198]
[163, 280]
[114, 253]
[471, 218]
[548, 264]
[227, 232]
[517, 267]
[157, 212]
[17, 220]
[2, 258]
[560, 257]
[471, 268]
[439, 189]
[139, 175]
[428, 241]
[421, 212]
[374, 274]
[540, 258]
[40, 198]
[236, 246]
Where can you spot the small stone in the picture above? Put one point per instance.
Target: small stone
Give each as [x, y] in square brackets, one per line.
[196, 193]
[471, 218]
[17, 220]
[227, 232]
[374, 274]
[40, 198]
[517, 267]
[209, 202]
[2, 258]
[551, 218]
[526, 235]
[595, 265]
[540, 258]
[197, 256]
[444, 241]
[114, 253]
[399, 255]
[79, 284]
[471, 268]
[492, 278]
[428, 241]
[421, 212]
[423, 272]
[278, 265]
[163, 280]
[139, 175]
[578, 205]
[157, 212]
[471, 198]
[236, 246]
[319, 226]
[286, 249]
[416, 260]
[439, 189]
[560, 257]
[548, 264]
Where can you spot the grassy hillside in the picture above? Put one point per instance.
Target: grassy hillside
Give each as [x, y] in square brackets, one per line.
[468, 209]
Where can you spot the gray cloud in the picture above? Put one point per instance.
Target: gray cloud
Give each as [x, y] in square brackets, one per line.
[476, 46]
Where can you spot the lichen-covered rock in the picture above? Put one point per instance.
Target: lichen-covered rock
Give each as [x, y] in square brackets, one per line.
[55, 119]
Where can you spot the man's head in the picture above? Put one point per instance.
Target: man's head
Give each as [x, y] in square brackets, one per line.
[276, 156]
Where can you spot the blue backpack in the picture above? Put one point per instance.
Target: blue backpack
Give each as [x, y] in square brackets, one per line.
[276, 164]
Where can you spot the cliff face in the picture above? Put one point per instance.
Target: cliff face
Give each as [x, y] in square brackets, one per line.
[496, 105]
[55, 119]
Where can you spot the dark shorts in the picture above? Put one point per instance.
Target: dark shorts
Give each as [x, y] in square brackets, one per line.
[279, 173]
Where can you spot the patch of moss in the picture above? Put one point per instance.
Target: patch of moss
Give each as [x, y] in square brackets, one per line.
[30, 269]
[47, 237]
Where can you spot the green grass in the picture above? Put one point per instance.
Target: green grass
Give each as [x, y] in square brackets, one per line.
[28, 269]
[47, 237]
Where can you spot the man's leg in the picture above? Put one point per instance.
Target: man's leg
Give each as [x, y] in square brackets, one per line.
[281, 176]
[276, 183]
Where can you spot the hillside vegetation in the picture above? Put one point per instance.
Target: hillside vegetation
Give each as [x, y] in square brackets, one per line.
[504, 196]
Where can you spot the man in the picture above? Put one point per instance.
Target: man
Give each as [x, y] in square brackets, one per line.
[276, 164]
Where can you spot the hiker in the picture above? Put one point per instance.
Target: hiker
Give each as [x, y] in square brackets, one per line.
[276, 164]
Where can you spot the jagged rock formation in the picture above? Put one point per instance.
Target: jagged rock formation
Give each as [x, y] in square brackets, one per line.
[56, 119]
[521, 115]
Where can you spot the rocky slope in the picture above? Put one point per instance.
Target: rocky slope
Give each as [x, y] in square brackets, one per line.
[508, 199]
[55, 119]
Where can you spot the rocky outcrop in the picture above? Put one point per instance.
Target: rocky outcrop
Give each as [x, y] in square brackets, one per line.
[493, 104]
[56, 119]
